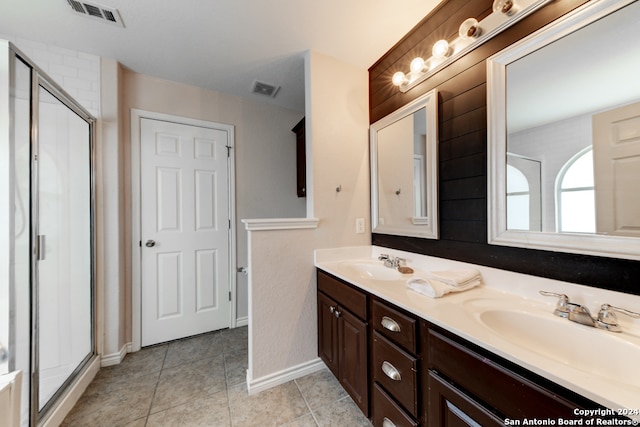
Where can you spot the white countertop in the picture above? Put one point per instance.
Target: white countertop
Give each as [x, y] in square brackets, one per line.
[458, 313]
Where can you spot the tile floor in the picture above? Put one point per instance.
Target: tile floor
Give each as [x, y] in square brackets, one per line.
[201, 381]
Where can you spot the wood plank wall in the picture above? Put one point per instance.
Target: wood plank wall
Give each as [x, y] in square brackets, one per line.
[462, 110]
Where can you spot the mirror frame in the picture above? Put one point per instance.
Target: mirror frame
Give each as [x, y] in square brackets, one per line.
[427, 227]
[498, 234]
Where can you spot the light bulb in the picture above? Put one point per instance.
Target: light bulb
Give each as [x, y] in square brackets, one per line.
[508, 7]
[417, 65]
[469, 29]
[440, 49]
[399, 78]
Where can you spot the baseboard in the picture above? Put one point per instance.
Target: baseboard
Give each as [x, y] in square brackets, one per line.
[242, 321]
[286, 375]
[75, 391]
[115, 358]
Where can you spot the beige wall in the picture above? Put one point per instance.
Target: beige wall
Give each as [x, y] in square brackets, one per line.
[282, 318]
[265, 174]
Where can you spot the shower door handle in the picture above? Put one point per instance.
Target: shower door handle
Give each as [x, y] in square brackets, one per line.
[40, 247]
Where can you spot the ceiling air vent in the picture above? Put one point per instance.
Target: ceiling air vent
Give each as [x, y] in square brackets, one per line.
[96, 11]
[266, 89]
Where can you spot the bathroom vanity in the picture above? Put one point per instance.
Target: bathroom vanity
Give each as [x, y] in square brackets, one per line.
[409, 360]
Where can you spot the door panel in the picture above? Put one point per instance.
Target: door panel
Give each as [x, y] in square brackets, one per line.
[616, 160]
[64, 274]
[184, 230]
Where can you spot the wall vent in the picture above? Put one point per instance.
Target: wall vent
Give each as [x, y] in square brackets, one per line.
[93, 10]
[262, 88]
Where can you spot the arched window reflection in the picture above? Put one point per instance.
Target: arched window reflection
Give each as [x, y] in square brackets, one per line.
[575, 195]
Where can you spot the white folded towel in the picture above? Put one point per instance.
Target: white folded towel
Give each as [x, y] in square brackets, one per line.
[455, 277]
[435, 288]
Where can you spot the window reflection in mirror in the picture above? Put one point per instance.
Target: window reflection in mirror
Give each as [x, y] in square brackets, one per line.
[564, 134]
[553, 98]
[404, 170]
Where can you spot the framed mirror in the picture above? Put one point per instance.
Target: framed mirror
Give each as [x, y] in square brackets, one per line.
[564, 135]
[404, 170]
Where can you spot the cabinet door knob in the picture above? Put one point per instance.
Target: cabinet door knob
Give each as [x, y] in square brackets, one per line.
[386, 422]
[391, 371]
[337, 313]
[390, 324]
[332, 309]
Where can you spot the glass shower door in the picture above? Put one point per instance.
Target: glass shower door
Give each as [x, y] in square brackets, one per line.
[63, 265]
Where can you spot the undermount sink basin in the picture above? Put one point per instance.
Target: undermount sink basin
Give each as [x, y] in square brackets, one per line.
[589, 349]
[371, 270]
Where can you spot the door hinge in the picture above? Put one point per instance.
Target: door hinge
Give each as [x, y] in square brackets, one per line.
[229, 224]
[228, 150]
[229, 295]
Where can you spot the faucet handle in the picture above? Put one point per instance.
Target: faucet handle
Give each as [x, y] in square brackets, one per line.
[608, 320]
[383, 257]
[562, 307]
[397, 262]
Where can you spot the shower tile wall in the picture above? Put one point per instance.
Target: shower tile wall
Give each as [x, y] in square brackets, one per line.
[76, 72]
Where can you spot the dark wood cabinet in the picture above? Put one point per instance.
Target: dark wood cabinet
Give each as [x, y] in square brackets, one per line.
[343, 337]
[301, 158]
[328, 333]
[352, 349]
[394, 366]
[449, 407]
[421, 374]
[460, 372]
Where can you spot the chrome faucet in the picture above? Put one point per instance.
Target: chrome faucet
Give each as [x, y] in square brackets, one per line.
[606, 318]
[391, 262]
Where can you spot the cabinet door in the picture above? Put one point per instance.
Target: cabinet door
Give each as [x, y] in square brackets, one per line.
[352, 337]
[449, 407]
[328, 332]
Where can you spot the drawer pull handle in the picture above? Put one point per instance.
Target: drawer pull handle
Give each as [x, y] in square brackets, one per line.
[390, 324]
[386, 422]
[391, 371]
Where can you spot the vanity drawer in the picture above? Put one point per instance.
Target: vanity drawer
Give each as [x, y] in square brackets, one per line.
[387, 413]
[492, 385]
[396, 371]
[394, 325]
[348, 297]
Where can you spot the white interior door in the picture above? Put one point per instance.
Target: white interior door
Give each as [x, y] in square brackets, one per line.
[184, 229]
[616, 160]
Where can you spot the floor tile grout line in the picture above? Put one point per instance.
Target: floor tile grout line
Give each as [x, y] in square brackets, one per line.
[313, 415]
[155, 389]
[226, 382]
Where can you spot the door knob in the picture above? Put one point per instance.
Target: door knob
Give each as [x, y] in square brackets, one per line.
[150, 243]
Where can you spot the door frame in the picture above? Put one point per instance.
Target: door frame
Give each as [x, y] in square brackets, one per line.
[136, 256]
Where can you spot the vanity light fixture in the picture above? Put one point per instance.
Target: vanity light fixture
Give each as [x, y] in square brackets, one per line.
[470, 34]
[418, 65]
[440, 49]
[469, 29]
[508, 7]
[399, 79]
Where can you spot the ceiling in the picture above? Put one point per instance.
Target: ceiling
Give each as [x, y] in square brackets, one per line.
[223, 45]
[590, 70]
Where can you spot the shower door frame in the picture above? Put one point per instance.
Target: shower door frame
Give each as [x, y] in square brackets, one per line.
[40, 79]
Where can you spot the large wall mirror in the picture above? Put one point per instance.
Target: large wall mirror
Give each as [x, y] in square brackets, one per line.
[564, 135]
[404, 174]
